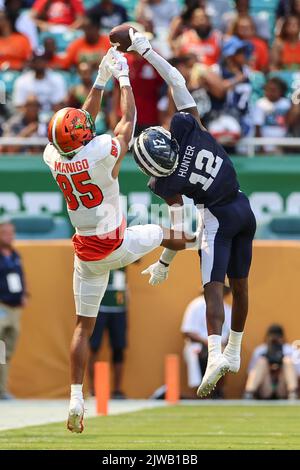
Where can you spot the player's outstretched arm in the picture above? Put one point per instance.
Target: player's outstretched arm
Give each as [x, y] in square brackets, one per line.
[93, 101]
[124, 130]
[182, 98]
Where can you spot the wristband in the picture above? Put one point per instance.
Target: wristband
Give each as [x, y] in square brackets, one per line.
[99, 83]
[124, 81]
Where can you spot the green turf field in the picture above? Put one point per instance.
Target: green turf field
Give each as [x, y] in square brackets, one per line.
[177, 427]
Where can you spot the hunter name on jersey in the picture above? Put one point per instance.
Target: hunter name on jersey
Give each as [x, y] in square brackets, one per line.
[204, 172]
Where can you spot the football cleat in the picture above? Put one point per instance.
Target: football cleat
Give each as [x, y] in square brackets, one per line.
[216, 368]
[75, 418]
[234, 361]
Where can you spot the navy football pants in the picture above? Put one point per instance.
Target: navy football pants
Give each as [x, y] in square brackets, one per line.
[226, 247]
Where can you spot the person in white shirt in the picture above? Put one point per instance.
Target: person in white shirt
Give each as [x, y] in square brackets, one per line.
[49, 87]
[194, 330]
[271, 112]
[272, 371]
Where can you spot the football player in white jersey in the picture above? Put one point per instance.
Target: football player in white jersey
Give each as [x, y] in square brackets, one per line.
[86, 168]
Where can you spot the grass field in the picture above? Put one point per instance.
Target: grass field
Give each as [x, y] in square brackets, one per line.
[177, 427]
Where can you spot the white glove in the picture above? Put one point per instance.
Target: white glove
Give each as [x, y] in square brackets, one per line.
[104, 73]
[119, 68]
[139, 43]
[158, 273]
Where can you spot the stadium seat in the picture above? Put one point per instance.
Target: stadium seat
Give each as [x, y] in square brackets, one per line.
[280, 228]
[265, 9]
[258, 81]
[130, 7]
[9, 77]
[44, 227]
[62, 39]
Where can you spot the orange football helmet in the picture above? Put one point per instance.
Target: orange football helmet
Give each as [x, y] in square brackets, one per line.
[70, 129]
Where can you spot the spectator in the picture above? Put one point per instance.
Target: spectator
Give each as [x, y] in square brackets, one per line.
[272, 373]
[53, 59]
[271, 111]
[90, 48]
[194, 330]
[15, 48]
[286, 48]
[22, 21]
[57, 13]
[112, 316]
[235, 71]
[26, 124]
[293, 9]
[156, 15]
[79, 92]
[199, 39]
[146, 85]
[206, 86]
[214, 9]
[242, 8]
[12, 298]
[288, 7]
[108, 14]
[49, 87]
[244, 28]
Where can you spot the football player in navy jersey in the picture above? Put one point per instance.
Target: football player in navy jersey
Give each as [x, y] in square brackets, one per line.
[187, 161]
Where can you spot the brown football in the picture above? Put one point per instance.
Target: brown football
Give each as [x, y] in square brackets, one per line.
[119, 36]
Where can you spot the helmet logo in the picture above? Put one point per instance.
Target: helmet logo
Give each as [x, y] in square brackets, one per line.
[159, 143]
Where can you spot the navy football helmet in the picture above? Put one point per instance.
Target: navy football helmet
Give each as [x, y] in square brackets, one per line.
[156, 152]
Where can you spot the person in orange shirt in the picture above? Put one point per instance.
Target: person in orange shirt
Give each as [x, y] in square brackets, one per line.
[89, 48]
[244, 28]
[54, 60]
[286, 49]
[199, 39]
[15, 48]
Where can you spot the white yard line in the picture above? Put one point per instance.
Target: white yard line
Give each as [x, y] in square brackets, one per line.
[20, 413]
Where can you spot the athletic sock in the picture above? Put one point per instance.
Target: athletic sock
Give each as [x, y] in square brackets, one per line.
[214, 343]
[76, 391]
[234, 344]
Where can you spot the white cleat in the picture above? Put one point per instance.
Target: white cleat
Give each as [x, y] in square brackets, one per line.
[75, 418]
[234, 361]
[215, 369]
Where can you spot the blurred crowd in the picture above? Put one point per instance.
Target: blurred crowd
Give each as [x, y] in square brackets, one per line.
[240, 59]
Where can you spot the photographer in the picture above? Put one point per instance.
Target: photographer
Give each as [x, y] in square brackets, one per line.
[272, 373]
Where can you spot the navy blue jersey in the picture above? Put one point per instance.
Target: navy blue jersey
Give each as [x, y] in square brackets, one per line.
[204, 173]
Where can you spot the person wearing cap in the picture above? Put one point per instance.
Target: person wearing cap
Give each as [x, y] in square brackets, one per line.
[194, 330]
[272, 371]
[12, 298]
[235, 70]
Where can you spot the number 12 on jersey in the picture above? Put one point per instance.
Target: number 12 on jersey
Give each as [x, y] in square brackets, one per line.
[91, 195]
[211, 167]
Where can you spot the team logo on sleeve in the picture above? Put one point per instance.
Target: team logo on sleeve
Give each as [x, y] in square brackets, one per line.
[114, 149]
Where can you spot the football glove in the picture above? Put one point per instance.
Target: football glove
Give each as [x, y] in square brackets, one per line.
[158, 273]
[139, 43]
[104, 73]
[119, 68]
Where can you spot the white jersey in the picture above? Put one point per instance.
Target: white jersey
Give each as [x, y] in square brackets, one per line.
[91, 193]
